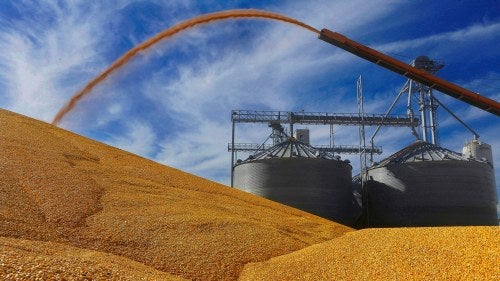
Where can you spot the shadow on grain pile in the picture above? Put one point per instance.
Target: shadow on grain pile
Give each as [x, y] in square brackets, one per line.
[91, 199]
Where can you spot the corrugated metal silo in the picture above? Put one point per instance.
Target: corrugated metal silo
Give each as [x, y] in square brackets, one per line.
[426, 185]
[297, 175]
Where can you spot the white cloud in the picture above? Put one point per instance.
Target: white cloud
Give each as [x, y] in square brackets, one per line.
[340, 15]
[201, 150]
[471, 33]
[138, 137]
[42, 64]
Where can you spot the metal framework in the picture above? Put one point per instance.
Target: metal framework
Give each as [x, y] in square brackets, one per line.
[427, 104]
[275, 119]
[321, 118]
[344, 149]
[362, 141]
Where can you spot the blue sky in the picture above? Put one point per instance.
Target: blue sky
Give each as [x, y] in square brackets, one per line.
[172, 103]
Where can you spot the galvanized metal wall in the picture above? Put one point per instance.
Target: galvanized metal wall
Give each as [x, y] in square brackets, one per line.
[432, 193]
[315, 185]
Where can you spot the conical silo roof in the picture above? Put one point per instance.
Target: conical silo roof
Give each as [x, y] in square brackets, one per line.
[422, 151]
[291, 148]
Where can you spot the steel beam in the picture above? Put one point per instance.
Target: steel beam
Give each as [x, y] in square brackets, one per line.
[321, 118]
[340, 149]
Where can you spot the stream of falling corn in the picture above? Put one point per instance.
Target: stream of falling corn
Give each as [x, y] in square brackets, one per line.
[203, 19]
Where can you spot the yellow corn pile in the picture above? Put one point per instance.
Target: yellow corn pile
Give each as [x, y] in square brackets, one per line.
[439, 253]
[34, 260]
[59, 187]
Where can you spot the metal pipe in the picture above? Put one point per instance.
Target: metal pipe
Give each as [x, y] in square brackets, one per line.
[476, 136]
[409, 110]
[432, 119]
[408, 103]
[232, 153]
[389, 111]
[422, 114]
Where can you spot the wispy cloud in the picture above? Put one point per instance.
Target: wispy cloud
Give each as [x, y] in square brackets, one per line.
[138, 137]
[468, 34]
[45, 55]
[202, 150]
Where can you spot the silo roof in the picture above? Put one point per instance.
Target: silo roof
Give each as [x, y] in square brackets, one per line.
[422, 151]
[291, 148]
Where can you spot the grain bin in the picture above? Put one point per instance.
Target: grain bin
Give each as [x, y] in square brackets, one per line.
[298, 175]
[426, 185]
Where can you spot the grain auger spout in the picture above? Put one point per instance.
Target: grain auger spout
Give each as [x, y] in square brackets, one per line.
[409, 71]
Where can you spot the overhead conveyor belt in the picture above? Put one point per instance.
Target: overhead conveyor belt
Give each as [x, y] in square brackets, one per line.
[411, 72]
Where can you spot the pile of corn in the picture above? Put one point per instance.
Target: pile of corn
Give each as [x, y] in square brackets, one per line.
[74, 208]
[35, 260]
[59, 187]
[439, 253]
